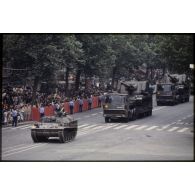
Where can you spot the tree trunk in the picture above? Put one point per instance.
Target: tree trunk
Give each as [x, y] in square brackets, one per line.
[113, 75]
[77, 82]
[35, 86]
[66, 79]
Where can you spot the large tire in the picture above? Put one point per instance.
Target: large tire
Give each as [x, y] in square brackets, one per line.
[107, 120]
[150, 113]
[158, 104]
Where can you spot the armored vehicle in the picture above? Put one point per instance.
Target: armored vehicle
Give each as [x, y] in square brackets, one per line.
[63, 127]
[173, 91]
[132, 100]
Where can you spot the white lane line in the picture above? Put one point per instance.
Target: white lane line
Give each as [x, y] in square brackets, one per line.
[80, 126]
[182, 130]
[150, 128]
[98, 127]
[88, 127]
[94, 114]
[172, 129]
[140, 128]
[163, 128]
[87, 116]
[121, 126]
[7, 148]
[159, 108]
[131, 127]
[24, 147]
[108, 127]
[23, 150]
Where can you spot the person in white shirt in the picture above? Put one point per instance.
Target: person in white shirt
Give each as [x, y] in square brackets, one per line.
[42, 111]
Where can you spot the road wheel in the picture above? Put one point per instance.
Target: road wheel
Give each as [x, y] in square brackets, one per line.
[107, 120]
[158, 104]
[150, 113]
[34, 136]
[61, 137]
[42, 138]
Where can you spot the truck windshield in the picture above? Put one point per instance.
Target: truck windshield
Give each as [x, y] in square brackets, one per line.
[164, 88]
[117, 99]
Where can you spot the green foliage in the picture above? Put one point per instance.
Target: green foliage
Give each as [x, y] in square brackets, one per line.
[103, 55]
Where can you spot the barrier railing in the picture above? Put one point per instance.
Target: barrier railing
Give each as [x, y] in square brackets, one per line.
[49, 110]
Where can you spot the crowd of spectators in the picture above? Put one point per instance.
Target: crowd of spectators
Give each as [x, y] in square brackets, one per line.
[21, 100]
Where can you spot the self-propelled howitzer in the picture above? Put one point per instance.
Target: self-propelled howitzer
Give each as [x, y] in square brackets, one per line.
[132, 100]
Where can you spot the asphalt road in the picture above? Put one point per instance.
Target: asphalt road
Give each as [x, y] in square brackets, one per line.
[165, 136]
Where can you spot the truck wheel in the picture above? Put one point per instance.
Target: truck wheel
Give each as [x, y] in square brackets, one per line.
[150, 113]
[134, 116]
[107, 120]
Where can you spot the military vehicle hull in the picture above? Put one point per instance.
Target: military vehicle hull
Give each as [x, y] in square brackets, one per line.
[133, 107]
[43, 131]
[171, 94]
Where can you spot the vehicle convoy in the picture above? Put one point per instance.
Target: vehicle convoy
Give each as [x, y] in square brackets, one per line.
[174, 90]
[132, 100]
[62, 126]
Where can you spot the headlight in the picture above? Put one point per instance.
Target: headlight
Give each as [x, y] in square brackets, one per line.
[105, 106]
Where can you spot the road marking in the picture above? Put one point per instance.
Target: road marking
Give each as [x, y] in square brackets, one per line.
[173, 129]
[23, 150]
[159, 108]
[83, 125]
[163, 128]
[7, 148]
[121, 126]
[24, 147]
[182, 130]
[94, 114]
[139, 128]
[98, 127]
[150, 128]
[88, 127]
[108, 127]
[130, 127]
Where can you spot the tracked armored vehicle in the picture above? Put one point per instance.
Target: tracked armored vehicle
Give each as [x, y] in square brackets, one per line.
[174, 90]
[62, 127]
[132, 100]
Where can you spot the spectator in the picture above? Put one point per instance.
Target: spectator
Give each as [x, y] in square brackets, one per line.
[42, 111]
[71, 106]
[80, 104]
[89, 100]
[5, 115]
[100, 100]
[14, 117]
